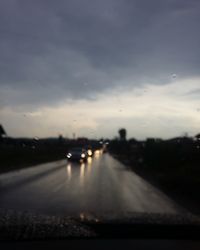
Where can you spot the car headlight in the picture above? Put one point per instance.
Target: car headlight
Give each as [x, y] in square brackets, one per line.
[69, 155]
[89, 152]
[83, 155]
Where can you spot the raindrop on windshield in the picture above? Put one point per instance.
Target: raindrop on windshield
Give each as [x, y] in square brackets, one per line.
[174, 76]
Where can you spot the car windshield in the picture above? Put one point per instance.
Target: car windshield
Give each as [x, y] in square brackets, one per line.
[117, 81]
[78, 150]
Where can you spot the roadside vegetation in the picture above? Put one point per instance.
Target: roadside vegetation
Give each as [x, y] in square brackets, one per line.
[172, 165]
[14, 157]
[21, 153]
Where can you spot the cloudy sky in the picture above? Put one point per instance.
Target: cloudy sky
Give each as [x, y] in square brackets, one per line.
[91, 67]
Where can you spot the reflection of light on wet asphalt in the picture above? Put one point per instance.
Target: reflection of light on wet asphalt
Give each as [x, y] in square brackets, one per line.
[82, 172]
[69, 171]
[84, 168]
[89, 160]
[89, 165]
[97, 154]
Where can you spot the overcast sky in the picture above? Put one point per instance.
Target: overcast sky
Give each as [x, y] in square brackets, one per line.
[91, 67]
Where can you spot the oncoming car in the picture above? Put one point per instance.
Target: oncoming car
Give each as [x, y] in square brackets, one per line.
[77, 154]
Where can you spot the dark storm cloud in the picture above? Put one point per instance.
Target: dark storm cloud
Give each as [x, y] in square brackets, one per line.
[52, 50]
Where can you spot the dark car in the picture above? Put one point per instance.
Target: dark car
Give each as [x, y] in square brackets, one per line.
[77, 154]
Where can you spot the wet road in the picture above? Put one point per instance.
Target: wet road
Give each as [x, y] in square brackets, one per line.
[102, 185]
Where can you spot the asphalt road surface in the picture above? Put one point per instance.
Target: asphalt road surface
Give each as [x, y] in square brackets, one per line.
[100, 186]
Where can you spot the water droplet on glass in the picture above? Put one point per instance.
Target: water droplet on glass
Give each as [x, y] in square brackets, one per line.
[82, 216]
[174, 76]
